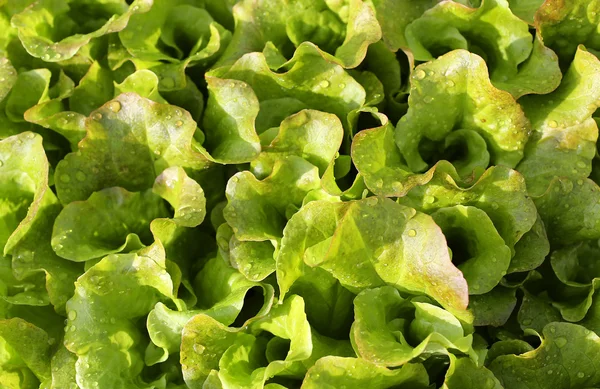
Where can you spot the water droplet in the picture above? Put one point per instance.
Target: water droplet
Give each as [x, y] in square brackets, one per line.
[561, 342]
[72, 315]
[179, 123]
[553, 123]
[550, 372]
[371, 201]
[494, 205]
[579, 182]
[412, 233]
[65, 178]
[178, 112]
[581, 164]
[429, 199]
[450, 83]
[113, 320]
[168, 82]
[552, 329]
[96, 116]
[324, 84]
[581, 374]
[379, 183]
[397, 186]
[80, 176]
[199, 349]
[428, 99]
[114, 106]
[420, 74]
[527, 322]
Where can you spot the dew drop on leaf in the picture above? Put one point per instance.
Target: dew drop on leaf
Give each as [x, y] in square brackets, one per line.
[114, 106]
[420, 74]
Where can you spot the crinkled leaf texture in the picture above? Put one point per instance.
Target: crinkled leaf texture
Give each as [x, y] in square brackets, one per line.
[48, 30]
[28, 212]
[129, 142]
[247, 358]
[352, 241]
[343, 32]
[392, 331]
[454, 114]
[518, 63]
[546, 367]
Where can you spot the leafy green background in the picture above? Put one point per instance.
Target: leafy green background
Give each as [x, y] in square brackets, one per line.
[321, 194]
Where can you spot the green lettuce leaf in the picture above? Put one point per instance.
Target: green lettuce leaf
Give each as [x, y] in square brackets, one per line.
[260, 201]
[335, 372]
[453, 105]
[249, 358]
[500, 192]
[121, 150]
[353, 242]
[474, 125]
[578, 278]
[109, 298]
[329, 306]
[563, 128]
[391, 331]
[395, 16]
[536, 312]
[518, 63]
[98, 86]
[29, 208]
[487, 256]
[55, 30]
[307, 80]
[120, 219]
[230, 115]
[224, 304]
[464, 373]
[525, 9]
[343, 31]
[565, 25]
[172, 37]
[567, 358]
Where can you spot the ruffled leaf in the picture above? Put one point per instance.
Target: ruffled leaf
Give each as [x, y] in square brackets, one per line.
[454, 93]
[546, 366]
[354, 243]
[48, 30]
[517, 63]
[121, 150]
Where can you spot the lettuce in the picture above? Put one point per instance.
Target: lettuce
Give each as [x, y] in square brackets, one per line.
[299, 194]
